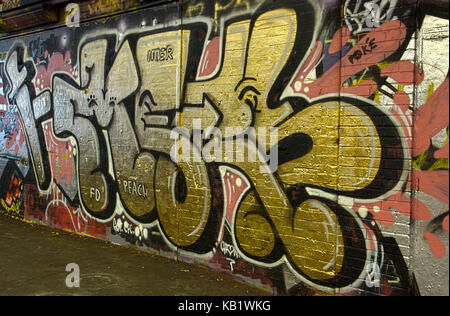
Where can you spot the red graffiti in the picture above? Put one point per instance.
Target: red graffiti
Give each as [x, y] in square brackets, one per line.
[62, 215]
[445, 224]
[430, 119]
[341, 37]
[61, 156]
[14, 191]
[381, 210]
[57, 62]
[235, 186]
[375, 47]
[404, 72]
[210, 58]
[436, 245]
[57, 212]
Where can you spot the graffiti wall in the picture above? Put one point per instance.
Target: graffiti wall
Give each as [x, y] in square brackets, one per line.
[299, 145]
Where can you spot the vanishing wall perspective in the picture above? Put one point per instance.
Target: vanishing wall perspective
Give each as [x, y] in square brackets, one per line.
[313, 133]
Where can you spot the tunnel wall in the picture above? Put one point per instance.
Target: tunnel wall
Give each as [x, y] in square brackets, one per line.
[301, 146]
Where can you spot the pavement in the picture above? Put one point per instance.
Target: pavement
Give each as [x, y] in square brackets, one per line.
[33, 261]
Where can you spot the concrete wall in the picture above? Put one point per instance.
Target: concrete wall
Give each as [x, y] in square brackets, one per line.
[300, 145]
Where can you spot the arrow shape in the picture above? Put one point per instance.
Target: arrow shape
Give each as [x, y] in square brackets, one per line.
[204, 116]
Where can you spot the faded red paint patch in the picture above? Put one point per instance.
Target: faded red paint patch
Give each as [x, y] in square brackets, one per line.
[431, 118]
[61, 215]
[434, 183]
[436, 245]
[61, 156]
[445, 224]
[404, 72]
[405, 205]
[57, 62]
[420, 211]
